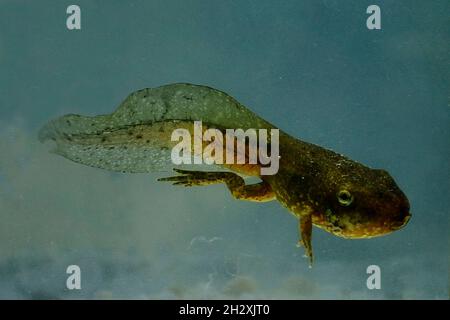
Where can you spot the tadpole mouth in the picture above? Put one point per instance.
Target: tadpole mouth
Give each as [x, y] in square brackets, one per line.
[406, 219]
[402, 222]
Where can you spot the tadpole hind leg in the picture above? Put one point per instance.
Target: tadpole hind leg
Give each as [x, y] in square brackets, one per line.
[190, 178]
[260, 192]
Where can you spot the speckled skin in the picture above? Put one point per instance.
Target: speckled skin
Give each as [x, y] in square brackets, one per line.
[309, 180]
[307, 184]
[318, 186]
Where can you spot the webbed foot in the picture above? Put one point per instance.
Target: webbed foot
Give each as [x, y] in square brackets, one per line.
[190, 178]
[259, 192]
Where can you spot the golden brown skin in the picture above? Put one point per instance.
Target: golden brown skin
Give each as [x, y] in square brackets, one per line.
[336, 194]
[321, 188]
[318, 186]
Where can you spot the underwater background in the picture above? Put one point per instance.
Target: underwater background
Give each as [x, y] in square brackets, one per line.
[312, 68]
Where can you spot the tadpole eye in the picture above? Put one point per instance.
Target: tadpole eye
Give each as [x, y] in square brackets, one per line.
[345, 198]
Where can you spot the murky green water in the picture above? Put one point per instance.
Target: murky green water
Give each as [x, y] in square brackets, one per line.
[311, 67]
